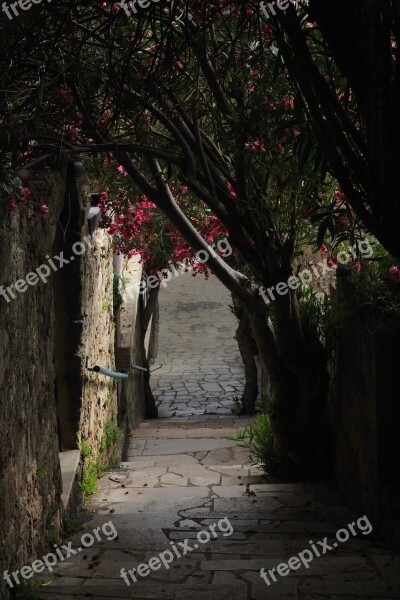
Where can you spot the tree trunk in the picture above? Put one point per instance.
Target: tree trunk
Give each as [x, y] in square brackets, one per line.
[244, 340]
[147, 311]
[299, 385]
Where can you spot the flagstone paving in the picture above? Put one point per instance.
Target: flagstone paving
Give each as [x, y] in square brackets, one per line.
[183, 475]
[202, 372]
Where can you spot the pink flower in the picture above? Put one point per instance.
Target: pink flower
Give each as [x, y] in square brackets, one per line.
[339, 196]
[324, 249]
[70, 134]
[231, 189]
[331, 262]
[103, 196]
[255, 145]
[43, 209]
[122, 170]
[395, 273]
[25, 191]
[357, 266]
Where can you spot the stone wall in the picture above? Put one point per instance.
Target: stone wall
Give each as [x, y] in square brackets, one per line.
[366, 410]
[87, 322]
[30, 483]
[129, 350]
[50, 403]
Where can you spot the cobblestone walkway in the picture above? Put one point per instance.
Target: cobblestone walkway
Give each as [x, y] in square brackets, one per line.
[183, 479]
[202, 369]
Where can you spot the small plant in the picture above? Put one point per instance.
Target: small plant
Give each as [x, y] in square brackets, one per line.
[105, 304]
[108, 400]
[90, 477]
[258, 439]
[86, 450]
[110, 437]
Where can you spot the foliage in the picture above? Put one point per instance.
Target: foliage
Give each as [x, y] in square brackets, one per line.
[92, 469]
[108, 401]
[111, 436]
[356, 125]
[376, 288]
[318, 316]
[194, 131]
[90, 476]
[86, 449]
[259, 440]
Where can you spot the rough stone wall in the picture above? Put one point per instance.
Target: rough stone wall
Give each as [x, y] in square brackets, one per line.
[49, 401]
[86, 335]
[366, 409]
[99, 399]
[30, 484]
[131, 391]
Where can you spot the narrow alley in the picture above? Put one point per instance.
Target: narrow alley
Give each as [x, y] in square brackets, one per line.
[184, 479]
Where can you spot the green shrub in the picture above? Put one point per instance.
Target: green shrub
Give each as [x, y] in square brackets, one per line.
[258, 439]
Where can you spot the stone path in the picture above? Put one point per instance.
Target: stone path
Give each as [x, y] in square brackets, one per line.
[202, 369]
[185, 487]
